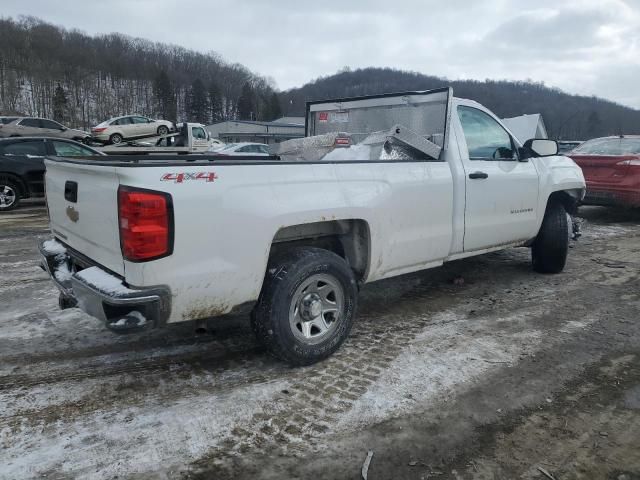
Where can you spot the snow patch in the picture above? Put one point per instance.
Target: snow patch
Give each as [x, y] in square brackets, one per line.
[604, 231]
[443, 360]
[62, 273]
[132, 440]
[123, 322]
[103, 281]
[54, 247]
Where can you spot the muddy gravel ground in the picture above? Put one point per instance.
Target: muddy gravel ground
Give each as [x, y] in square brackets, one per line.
[480, 369]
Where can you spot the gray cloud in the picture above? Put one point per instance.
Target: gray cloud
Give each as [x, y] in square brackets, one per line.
[589, 47]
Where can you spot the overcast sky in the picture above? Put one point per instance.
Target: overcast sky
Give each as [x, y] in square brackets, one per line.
[590, 47]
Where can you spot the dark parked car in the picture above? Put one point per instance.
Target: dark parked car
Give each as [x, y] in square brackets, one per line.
[611, 167]
[22, 165]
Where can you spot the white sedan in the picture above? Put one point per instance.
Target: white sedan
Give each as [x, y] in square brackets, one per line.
[115, 130]
[242, 149]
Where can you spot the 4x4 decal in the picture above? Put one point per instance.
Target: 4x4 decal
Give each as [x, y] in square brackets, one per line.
[183, 177]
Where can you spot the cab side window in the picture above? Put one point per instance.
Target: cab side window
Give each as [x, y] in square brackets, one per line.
[199, 133]
[486, 139]
[30, 147]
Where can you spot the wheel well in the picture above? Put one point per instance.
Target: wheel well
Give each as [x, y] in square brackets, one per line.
[349, 239]
[567, 198]
[24, 191]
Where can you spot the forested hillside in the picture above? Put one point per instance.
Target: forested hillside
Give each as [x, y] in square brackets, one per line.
[566, 116]
[81, 80]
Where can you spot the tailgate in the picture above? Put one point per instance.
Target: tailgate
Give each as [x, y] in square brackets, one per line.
[83, 210]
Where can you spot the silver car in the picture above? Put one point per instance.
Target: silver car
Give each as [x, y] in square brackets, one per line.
[38, 127]
[115, 130]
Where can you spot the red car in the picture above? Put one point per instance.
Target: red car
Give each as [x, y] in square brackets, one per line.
[611, 167]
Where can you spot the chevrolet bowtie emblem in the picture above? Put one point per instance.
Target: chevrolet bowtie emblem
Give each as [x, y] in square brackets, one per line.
[72, 214]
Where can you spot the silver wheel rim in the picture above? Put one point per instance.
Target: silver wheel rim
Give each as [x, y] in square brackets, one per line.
[316, 308]
[7, 196]
[163, 130]
[116, 139]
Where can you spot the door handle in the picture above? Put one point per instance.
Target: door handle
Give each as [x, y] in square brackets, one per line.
[478, 175]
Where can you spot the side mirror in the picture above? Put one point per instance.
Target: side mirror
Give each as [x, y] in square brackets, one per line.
[64, 129]
[542, 147]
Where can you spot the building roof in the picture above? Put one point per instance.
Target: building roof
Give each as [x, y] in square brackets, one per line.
[281, 122]
[290, 120]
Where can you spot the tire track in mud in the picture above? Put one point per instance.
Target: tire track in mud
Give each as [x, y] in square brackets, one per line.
[375, 342]
[309, 408]
[319, 395]
[232, 339]
[315, 397]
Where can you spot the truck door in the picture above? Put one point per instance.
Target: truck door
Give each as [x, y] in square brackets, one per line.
[501, 191]
[199, 139]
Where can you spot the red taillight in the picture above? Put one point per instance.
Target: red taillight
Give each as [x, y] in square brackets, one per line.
[146, 224]
[98, 130]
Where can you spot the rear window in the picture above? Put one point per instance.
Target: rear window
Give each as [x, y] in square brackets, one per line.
[6, 120]
[32, 147]
[122, 121]
[610, 146]
[30, 122]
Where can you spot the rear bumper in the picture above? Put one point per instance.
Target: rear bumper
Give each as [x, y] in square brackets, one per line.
[100, 137]
[104, 295]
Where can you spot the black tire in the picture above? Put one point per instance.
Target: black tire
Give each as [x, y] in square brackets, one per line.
[277, 308]
[115, 139]
[10, 194]
[550, 248]
[162, 130]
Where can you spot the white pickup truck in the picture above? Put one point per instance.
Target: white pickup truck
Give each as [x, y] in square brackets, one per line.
[384, 186]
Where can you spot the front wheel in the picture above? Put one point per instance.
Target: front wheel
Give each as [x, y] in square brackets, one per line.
[551, 246]
[9, 195]
[162, 130]
[307, 305]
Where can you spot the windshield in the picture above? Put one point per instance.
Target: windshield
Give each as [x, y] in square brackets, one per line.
[610, 146]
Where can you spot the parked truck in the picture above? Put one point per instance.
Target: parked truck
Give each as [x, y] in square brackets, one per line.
[403, 182]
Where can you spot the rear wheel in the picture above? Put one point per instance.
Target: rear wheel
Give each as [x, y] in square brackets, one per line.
[9, 194]
[307, 306]
[550, 248]
[163, 130]
[115, 139]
